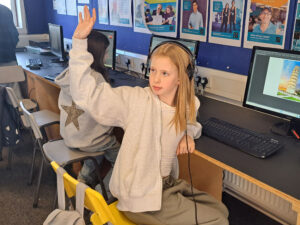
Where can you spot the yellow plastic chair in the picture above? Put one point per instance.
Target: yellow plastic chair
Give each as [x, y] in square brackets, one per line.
[94, 201]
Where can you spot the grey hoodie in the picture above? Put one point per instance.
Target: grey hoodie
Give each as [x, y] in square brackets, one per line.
[136, 180]
[77, 127]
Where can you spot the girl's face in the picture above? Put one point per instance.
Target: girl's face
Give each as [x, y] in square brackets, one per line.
[164, 79]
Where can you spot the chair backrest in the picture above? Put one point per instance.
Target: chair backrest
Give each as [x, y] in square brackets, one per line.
[94, 201]
[16, 104]
[12, 97]
[31, 120]
[10, 74]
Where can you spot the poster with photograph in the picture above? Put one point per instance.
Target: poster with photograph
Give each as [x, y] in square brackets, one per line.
[226, 22]
[266, 23]
[194, 19]
[120, 13]
[282, 79]
[138, 20]
[296, 35]
[161, 17]
[103, 11]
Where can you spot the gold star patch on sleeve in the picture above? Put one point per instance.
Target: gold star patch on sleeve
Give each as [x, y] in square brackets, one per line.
[73, 114]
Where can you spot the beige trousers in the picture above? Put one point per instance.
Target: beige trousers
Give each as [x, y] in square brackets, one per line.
[178, 207]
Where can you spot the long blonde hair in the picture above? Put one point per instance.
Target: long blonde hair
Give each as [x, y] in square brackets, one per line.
[185, 96]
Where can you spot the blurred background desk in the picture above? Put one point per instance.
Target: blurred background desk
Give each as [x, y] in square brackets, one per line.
[43, 91]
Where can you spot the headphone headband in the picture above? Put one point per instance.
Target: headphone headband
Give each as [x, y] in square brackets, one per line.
[190, 68]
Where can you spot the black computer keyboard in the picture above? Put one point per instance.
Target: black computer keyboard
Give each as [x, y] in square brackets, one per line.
[34, 62]
[243, 139]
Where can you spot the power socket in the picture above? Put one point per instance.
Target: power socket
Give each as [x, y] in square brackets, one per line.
[67, 44]
[201, 83]
[136, 61]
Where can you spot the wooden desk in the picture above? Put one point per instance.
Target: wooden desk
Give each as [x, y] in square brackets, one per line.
[43, 91]
[278, 174]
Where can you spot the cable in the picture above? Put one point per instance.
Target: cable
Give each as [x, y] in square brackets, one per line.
[190, 174]
[189, 167]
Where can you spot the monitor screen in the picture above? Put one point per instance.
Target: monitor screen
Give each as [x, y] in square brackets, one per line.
[190, 44]
[273, 84]
[56, 40]
[111, 49]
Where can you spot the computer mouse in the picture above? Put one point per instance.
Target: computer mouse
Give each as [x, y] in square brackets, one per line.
[34, 67]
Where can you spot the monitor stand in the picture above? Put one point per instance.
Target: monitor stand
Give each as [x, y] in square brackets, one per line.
[285, 128]
[295, 125]
[58, 60]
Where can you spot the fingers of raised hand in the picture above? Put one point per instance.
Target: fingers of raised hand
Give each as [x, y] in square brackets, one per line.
[80, 18]
[86, 13]
[94, 15]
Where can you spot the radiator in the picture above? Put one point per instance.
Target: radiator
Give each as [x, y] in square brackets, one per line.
[262, 200]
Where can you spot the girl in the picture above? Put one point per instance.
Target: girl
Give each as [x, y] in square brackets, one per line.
[232, 18]
[225, 17]
[77, 127]
[169, 15]
[154, 120]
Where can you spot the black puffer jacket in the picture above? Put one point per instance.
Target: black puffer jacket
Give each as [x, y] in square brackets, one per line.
[9, 122]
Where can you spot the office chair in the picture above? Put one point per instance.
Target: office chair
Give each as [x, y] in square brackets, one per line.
[28, 104]
[57, 151]
[94, 201]
[9, 76]
[38, 121]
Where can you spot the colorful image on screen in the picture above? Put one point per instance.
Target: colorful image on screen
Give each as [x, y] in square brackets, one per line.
[289, 84]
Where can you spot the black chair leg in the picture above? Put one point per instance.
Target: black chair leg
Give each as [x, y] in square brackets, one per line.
[32, 165]
[97, 169]
[37, 192]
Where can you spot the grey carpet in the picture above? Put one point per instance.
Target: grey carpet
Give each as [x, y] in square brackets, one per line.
[16, 196]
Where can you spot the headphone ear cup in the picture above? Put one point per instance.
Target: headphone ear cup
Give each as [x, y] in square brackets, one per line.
[148, 65]
[190, 71]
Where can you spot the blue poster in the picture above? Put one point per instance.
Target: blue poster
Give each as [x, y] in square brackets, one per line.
[296, 35]
[161, 17]
[266, 23]
[194, 19]
[226, 22]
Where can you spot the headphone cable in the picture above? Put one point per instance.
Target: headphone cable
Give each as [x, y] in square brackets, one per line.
[190, 174]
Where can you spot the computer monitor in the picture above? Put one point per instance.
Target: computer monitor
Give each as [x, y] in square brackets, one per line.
[273, 84]
[190, 44]
[111, 58]
[56, 42]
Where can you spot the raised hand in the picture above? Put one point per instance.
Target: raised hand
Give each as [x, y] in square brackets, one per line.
[85, 25]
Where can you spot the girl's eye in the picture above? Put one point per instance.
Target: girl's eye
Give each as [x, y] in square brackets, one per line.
[165, 74]
[152, 70]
